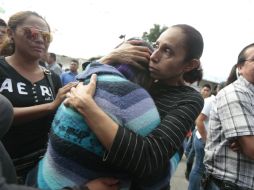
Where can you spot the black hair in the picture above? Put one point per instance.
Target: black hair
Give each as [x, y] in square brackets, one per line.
[240, 60]
[84, 65]
[207, 86]
[195, 75]
[133, 73]
[241, 57]
[232, 75]
[194, 43]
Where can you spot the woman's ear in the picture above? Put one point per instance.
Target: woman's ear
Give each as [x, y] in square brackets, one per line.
[194, 63]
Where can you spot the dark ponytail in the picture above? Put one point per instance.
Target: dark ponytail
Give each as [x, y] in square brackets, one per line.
[193, 75]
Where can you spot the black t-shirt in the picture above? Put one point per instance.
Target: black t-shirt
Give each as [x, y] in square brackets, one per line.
[26, 138]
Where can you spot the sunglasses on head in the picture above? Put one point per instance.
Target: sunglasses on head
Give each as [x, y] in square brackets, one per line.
[33, 34]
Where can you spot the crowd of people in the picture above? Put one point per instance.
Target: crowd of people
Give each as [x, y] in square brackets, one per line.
[122, 122]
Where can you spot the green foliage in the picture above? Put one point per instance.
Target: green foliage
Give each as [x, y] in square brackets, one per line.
[154, 33]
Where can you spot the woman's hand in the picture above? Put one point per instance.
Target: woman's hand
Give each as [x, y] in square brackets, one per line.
[81, 99]
[81, 95]
[129, 52]
[103, 184]
[61, 95]
[25, 114]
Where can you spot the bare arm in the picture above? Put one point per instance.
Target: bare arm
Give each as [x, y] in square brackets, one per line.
[130, 53]
[200, 125]
[141, 156]
[101, 124]
[237, 108]
[247, 145]
[24, 114]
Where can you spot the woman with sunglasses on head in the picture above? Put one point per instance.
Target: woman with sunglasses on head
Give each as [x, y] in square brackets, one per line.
[29, 88]
[176, 57]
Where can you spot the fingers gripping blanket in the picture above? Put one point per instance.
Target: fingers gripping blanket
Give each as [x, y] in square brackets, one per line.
[74, 154]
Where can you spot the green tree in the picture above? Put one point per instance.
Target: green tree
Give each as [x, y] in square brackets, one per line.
[154, 33]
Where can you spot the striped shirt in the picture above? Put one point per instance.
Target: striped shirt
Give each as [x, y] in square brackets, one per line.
[146, 158]
[232, 117]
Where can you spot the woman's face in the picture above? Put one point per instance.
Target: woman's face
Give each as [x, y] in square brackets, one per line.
[32, 37]
[167, 61]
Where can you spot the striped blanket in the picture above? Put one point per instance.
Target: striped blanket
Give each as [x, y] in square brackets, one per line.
[74, 154]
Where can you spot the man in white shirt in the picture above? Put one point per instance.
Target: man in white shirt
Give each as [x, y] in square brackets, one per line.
[199, 144]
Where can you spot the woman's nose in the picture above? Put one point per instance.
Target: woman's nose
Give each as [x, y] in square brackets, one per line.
[155, 56]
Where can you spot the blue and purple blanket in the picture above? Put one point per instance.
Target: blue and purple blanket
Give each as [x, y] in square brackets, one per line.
[74, 154]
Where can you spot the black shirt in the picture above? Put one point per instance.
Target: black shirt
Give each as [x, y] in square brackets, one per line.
[26, 138]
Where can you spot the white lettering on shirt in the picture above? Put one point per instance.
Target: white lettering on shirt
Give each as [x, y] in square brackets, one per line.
[45, 90]
[6, 85]
[21, 88]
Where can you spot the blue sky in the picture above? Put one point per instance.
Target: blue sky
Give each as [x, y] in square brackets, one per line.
[86, 28]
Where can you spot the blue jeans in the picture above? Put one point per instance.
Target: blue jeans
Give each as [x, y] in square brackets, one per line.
[198, 168]
[189, 149]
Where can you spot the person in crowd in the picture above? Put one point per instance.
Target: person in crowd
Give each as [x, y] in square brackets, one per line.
[3, 27]
[30, 88]
[7, 171]
[206, 90]
[197, 173]
[121, 94]
[70, 76]
[3, 41]
[199, 139]
[177, 53]
[231, 123]
[52, 65]
[190, 151]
